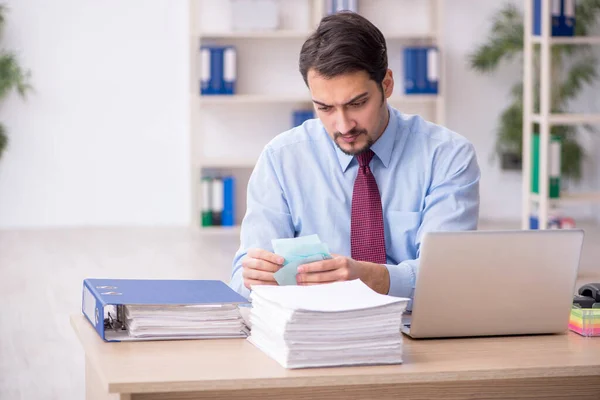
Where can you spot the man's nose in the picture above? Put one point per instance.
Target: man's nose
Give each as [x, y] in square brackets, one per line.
[344, 124]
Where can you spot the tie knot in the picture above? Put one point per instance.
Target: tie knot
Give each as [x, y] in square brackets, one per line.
[365, 157]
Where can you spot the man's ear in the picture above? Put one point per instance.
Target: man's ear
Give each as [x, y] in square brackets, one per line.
[388, 84]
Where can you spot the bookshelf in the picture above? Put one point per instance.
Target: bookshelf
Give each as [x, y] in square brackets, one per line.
[545, 119]
[228, 132]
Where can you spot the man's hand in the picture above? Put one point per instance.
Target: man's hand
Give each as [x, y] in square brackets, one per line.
[342, 268]
[259, 266]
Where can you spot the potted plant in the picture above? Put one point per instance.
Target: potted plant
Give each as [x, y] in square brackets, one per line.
[573, 67]
[12, 76]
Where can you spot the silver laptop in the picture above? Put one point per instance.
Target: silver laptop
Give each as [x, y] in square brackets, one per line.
[488, 283]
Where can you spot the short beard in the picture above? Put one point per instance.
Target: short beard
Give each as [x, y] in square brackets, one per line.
[354, 152]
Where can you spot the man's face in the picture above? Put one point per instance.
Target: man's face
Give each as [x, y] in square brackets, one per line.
[351, 107]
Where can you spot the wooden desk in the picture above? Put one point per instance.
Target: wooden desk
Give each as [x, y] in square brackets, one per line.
[545, 367]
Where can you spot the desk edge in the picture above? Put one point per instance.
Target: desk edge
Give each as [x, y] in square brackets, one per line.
[354, 380]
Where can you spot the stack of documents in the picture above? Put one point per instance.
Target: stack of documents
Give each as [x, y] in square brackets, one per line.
[334, 324]
[184, 321]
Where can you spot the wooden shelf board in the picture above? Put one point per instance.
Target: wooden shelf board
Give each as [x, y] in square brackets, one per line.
[572, 198]
[591, 40]
[568, 119]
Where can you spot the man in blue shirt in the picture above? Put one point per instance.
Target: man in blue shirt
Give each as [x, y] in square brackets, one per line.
[369, 180]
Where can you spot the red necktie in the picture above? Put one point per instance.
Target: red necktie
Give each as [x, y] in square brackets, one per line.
[367, 238]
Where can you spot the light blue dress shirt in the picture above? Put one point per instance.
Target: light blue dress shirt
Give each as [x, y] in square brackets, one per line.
[302, 184]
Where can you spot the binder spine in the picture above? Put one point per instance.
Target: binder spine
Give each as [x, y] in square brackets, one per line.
[330, 7]
[216, 70]
[205, 69]
[537, 20]
[228, 201]
[217, 201]
[206, 212]
[334, 6]
[555, 166]
[558, 18]
[229, 70]
[569, 8]
[432, 70]
[569, 17]
[353, 5]
[556, 7]
[409, 70]
[93, 308]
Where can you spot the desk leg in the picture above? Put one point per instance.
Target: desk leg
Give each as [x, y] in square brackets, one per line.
[95, 389]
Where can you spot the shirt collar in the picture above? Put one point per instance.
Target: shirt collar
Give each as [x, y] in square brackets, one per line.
[382, 148]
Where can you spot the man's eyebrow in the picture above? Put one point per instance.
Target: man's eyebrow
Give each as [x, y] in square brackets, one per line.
[355, 98]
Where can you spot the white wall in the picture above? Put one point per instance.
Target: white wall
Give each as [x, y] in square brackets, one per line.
[104, 139]
[475, 101]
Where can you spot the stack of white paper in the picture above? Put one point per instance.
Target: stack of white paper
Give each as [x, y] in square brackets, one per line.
[341, 323]
[184, 321]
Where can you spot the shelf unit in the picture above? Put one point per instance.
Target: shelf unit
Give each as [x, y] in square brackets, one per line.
[545, 118]
[227, 132]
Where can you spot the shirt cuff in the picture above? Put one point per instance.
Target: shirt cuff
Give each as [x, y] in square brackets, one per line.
[237, 284]
[402, 280]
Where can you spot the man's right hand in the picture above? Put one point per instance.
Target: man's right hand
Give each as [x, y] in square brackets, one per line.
[259, 266]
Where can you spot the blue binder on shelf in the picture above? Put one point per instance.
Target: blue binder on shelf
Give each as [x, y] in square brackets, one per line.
[299, 116]
[218, 70]
[103, 300]
[410, 82]
[421, 70]
[562, 17]
[334, 6]
[228, 218]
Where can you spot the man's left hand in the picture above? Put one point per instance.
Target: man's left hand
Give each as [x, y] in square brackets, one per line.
[341, 268]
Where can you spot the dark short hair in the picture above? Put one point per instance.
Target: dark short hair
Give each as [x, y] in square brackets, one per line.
[343, 43]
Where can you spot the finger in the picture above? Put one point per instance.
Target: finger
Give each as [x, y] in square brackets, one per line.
[265, 255]
[254, 263]
[319, 266]
[319, 277]
[252, 282]
[258, 275]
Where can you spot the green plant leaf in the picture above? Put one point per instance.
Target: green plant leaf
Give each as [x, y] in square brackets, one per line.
[586, 15]
[3, 140]
[581, 73]
[3, 9]
[591, 128]
[517, 91]
[510, 129]
[572, 155]
[12, 76]
[505, 42]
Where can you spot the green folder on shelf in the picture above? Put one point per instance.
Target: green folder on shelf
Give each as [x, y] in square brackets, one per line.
[206, 213]
[554, 165]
